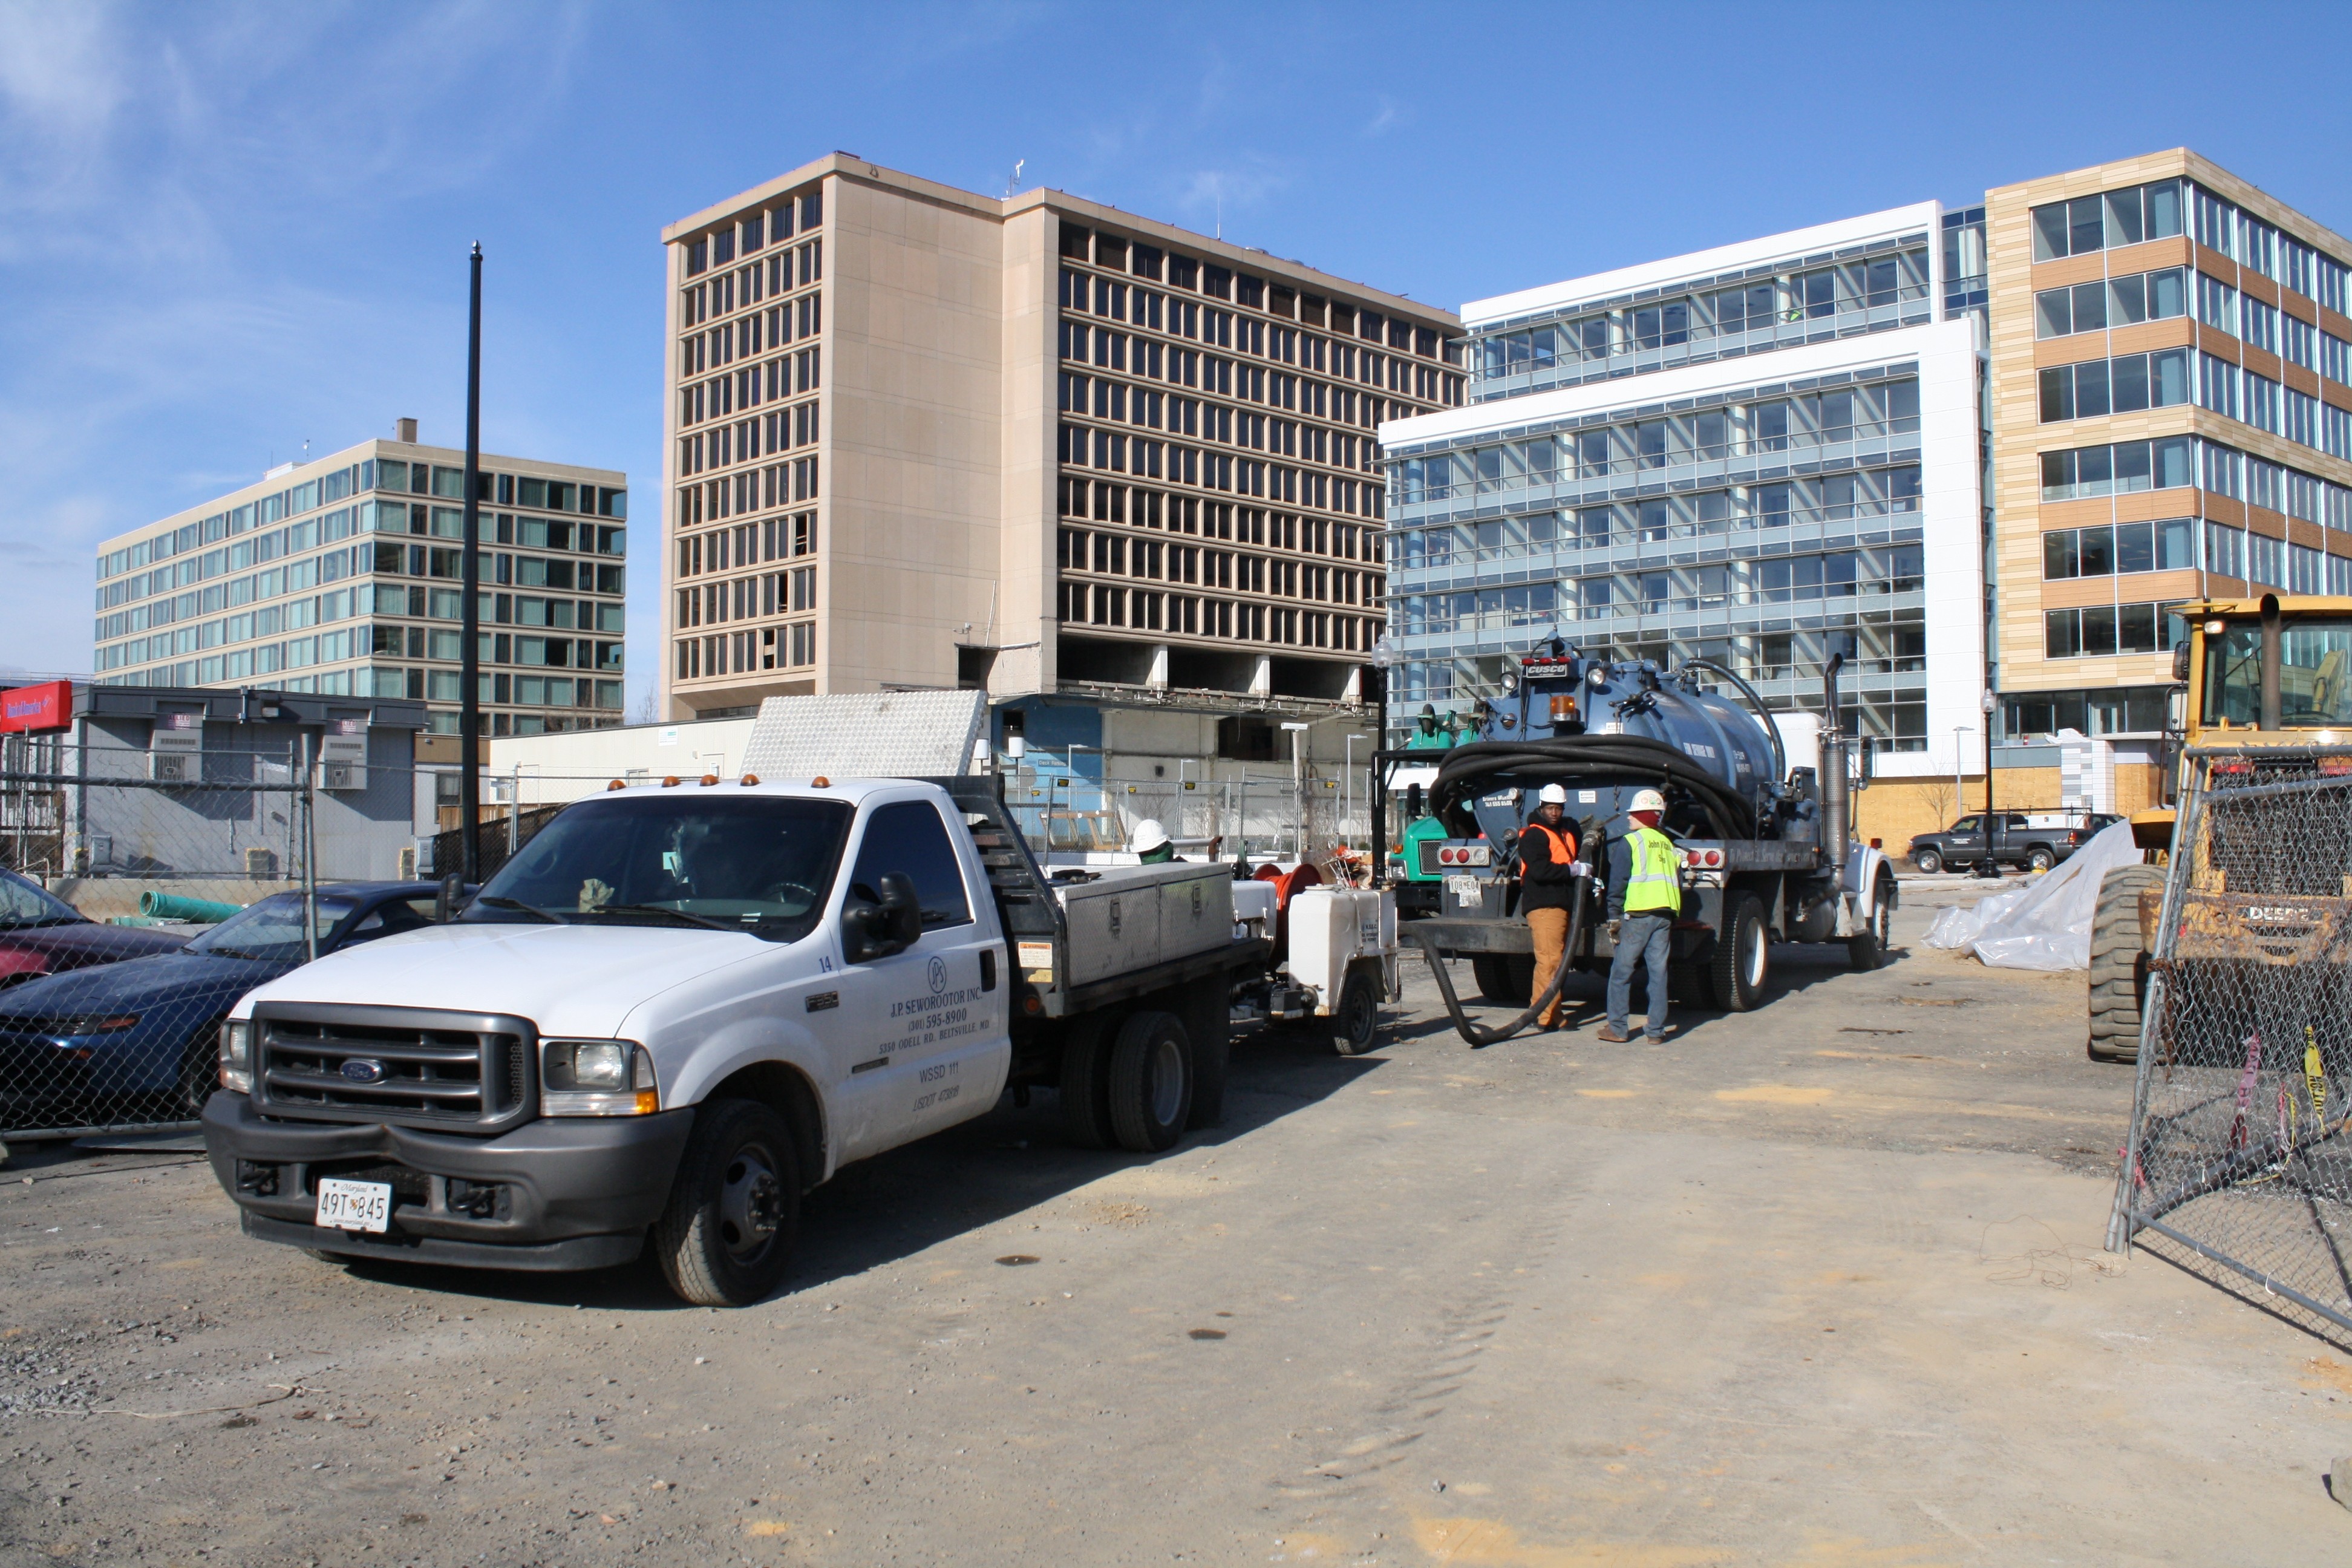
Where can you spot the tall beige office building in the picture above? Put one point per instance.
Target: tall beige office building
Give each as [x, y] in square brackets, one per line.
[922, 438]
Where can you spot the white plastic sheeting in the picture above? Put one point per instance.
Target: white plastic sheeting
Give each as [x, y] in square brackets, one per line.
[2045, 924]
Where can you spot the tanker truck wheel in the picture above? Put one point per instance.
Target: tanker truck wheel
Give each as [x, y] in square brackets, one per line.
[2119, 964]
[1494, 971]
[1742, 955]
[1866, 951]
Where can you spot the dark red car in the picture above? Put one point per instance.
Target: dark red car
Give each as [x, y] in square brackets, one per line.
[40, 935]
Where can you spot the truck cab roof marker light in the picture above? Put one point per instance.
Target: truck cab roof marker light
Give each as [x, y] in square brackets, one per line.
[750, 779]
[616, 783]
[670, 782]
[820, 782]
[709, 779]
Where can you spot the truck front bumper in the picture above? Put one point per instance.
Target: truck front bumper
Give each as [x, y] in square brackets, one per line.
[556, 1193]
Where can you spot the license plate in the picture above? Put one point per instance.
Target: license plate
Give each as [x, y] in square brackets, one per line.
[353, 1206]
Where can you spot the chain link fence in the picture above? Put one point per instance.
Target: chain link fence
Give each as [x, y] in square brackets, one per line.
[146, 892]
[2238, 1160]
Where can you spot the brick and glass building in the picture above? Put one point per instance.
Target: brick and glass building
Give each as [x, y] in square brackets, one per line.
[2172, 418]
[341, 576]
[923, 437]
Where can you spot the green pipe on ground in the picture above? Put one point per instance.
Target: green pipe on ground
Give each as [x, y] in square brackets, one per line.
[172, 907]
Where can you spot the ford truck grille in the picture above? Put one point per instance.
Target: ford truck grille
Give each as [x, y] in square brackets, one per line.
[416, 1066]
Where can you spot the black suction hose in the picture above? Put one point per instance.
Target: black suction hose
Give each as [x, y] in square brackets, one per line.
[1469, 770]
[1477, 1035]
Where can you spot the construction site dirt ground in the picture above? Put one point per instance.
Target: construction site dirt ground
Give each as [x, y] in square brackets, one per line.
[1817, 1285]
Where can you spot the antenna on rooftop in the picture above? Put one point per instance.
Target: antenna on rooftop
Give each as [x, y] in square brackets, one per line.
[1014, 183]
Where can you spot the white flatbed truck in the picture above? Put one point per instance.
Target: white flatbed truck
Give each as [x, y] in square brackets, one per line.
[684, 1003]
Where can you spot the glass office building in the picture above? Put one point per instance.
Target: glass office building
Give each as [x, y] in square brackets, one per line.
[1762, 454]
[341, 576]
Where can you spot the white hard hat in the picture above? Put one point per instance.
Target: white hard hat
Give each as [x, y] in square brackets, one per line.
[1648, 800]
[1553, 794]
[1148, 836]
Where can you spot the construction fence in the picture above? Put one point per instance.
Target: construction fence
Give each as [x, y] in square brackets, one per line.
[146, 897]
[2239, 1159]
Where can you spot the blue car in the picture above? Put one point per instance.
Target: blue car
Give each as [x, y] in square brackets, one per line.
[139, 1039]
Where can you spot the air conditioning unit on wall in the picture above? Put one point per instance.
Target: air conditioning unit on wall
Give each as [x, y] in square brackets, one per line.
[175, 748]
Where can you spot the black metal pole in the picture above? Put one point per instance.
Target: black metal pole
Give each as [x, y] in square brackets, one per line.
[1993, 852]
[1378, 782]
[469, 679]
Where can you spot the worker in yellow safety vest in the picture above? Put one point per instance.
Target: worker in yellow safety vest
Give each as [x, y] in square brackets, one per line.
[1645, 895]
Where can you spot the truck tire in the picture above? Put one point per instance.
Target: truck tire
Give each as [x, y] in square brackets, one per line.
[2040, 859]
[2119, 964]
[1928, 862]
[726, 1236]
[1355, 1021]
[1742, 958]
[1151, 1083]
[1492, 970]
[1085, 1084]
[1865, 950]
[1208, 1024]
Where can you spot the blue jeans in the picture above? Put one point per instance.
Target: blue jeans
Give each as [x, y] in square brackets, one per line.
[1641, 939]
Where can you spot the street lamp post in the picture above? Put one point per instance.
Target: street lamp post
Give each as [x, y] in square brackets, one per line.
[1347, 783]
[1992, 854]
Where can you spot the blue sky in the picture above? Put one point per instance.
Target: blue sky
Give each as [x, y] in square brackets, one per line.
[226, 230]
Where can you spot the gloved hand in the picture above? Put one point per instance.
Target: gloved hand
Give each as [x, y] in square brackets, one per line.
[1579, 869]
[1612, 931]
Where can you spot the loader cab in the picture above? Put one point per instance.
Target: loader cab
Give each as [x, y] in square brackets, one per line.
[2287, 665]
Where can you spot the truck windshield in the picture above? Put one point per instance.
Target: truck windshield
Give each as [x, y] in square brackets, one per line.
[762, 864]
[2315, 674]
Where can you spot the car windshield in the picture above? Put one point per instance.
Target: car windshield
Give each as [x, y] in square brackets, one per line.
[272, 930]
[755, 863]
[22, 904]
[2315, 674]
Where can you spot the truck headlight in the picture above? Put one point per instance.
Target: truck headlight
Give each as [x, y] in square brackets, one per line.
[236, 1056]
[596, 1078]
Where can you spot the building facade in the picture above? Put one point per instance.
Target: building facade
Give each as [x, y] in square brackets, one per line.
[922, 438]
[1762, 454]
[2172, 418]
[341, 576]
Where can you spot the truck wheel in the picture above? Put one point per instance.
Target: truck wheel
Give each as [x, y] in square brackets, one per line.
[2120, 963]
[1928, 862]
[1865, 950]
[1492, 970]
[2039, 860]
[726, 1236]
[1355, 1021]
[1085, 1084]
[1741, 955]
[1151, 1083]
[1687, 986]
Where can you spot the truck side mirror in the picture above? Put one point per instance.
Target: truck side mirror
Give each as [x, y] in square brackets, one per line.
[2181, 660]
[877, 930]
[901, 910]
[450, 900]
[1412, 802]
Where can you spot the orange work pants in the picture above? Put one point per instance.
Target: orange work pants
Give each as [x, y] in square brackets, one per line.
[1550, 928]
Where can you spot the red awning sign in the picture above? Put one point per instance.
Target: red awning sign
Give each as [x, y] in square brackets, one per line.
[34, 709]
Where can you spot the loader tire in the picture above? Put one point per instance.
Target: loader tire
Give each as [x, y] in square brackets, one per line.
[2119, 964]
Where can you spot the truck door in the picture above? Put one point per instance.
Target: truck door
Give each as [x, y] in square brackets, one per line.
[1967, 841]
[926, 1027]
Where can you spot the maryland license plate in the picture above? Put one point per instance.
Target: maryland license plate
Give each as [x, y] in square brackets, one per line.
[353, 1206]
